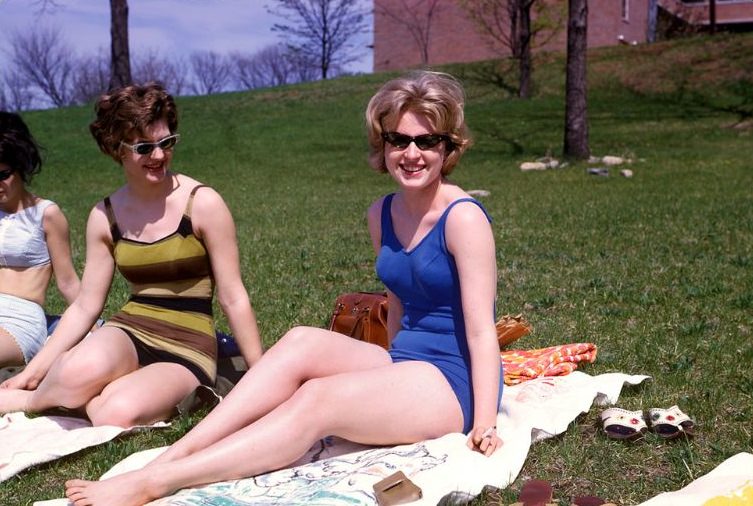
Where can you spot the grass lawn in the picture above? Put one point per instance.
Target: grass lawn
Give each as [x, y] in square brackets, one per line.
[657, 269]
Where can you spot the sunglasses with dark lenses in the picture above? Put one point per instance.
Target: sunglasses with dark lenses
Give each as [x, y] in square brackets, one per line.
[5, 174]
[144, 148]
[423, 142]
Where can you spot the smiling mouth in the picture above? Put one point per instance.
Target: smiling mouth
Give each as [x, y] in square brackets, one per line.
[412, 170]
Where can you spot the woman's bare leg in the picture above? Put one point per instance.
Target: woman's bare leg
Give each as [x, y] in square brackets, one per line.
[393, 404]
[301, 354]
[143, 396]
[10, 352]
[77, 375]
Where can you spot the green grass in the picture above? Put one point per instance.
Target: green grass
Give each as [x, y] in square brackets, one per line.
[657, 269]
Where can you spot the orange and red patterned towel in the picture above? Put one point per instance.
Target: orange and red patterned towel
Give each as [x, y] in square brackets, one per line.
[523, 365]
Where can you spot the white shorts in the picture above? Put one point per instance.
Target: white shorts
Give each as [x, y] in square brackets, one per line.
[24, 320]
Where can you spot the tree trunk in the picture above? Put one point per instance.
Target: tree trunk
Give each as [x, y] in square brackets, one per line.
[576, 103]
[120, 66]
[653, 11]
[524, 34]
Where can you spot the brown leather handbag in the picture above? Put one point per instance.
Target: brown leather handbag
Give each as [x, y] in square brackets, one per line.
[363, 316]
[511, 328]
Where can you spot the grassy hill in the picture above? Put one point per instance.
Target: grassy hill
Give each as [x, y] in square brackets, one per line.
[656, 269]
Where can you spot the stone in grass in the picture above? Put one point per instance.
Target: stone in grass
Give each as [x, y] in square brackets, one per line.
[479, 193]
[528, 166]
[626, 173]
[612, 160]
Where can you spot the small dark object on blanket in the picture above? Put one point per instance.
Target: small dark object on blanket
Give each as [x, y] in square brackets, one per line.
[226, 345]
[396, 489]
[535, 493]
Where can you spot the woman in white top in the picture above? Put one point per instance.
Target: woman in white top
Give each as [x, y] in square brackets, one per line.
[34, 245]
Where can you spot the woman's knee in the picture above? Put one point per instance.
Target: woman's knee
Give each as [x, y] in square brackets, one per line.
[113, 410]
[299, 344]
[74, 370]
[312, 396]
[297, 338]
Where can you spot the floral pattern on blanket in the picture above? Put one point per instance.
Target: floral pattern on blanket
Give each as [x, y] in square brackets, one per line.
[320, 480]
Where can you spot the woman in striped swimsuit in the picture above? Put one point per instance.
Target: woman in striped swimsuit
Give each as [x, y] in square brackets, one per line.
[173, 239]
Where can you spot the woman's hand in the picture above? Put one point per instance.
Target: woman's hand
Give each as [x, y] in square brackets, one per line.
[484, 440]
[25, 380]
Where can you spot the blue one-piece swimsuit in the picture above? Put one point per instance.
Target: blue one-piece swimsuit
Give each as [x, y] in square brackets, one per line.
[432, 329]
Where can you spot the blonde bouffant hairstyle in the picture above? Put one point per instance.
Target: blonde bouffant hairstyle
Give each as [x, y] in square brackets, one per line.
[435, 95]
[125, 113]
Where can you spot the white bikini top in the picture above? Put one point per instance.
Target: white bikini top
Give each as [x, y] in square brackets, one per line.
[22, 239]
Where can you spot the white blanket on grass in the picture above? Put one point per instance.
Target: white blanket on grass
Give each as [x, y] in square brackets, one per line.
[729, 484]
[25, 442]
[336, 472]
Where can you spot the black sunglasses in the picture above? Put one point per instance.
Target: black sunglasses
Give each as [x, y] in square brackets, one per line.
[144, 148]
[5, 174]
[423, 142]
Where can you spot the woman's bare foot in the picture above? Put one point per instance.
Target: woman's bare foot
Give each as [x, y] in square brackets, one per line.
[128, 489]
[13, 399]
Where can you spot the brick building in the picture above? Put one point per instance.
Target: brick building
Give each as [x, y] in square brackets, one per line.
[453, 36]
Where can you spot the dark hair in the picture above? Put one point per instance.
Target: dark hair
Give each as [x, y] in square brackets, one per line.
[18, 149]
[125, 113]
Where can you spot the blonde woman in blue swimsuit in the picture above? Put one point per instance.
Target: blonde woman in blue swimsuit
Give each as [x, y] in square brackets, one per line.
[34, 247]
[436, 256]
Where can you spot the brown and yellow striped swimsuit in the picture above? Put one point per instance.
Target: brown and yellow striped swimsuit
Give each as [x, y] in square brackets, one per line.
[169, 313]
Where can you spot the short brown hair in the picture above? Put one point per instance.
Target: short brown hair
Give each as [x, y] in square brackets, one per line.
[436, 95]
[125, 113]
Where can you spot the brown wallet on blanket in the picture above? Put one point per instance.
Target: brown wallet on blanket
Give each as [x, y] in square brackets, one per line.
[396, 489]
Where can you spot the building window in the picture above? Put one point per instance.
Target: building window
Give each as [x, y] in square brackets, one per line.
[625, 10]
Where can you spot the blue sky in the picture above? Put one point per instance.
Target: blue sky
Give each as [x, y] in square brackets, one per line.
[169, 26]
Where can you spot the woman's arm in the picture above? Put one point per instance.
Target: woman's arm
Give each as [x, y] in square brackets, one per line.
[471, 242]
[81, 314]
[58, 244]
[214, 224]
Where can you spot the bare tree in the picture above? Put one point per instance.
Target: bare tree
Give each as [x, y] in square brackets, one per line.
[171, 72]
[576, 102]
[43, 59]
[91, 75]
[416, 16]
[304, 67]
[321, 30]
[515, 27]
[15, 93]
[120, 67]
[267, 67]
[211, 72]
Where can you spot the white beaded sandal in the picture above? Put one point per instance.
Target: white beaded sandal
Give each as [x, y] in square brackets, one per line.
[622, 424]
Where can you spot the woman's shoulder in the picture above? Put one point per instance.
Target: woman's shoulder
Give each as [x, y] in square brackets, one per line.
[191, 186]
[464, 210]
[375, 209]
